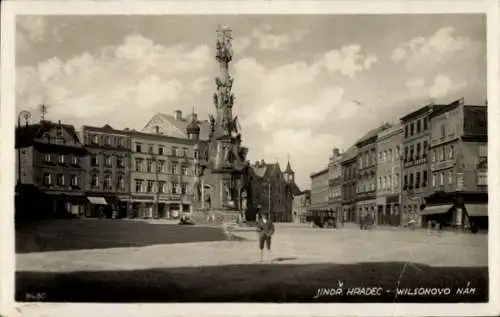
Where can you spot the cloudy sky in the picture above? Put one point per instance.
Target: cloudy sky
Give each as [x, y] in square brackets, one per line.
[303, 84]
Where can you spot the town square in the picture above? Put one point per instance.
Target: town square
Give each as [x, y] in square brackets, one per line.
[251, 159]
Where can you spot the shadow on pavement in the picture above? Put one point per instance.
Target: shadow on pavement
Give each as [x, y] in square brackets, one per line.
[78, 234]
[254, 283]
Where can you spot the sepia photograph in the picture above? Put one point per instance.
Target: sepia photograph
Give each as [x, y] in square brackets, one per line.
[250, 158]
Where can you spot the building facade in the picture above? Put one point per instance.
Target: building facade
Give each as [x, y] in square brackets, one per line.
[389, 175]
[349, 184]
[162, 174]
[335, 183]
[301, 203]
[366, 201]
[416, 168]
[51, 174]
[107, 170]
[272, 193]
[320, 192]
[459, 161]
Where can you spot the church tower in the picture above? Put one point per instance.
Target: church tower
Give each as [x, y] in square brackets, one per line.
[289, 173]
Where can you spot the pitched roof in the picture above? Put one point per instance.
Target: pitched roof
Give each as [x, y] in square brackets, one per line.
[370, 134]
[288, 168]
[294, 189]
[350, 153]
[184, 123]
[26, 135]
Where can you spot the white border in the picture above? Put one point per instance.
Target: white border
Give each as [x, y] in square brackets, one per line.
[10, 9]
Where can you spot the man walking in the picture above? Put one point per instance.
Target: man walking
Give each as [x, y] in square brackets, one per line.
[265, 228]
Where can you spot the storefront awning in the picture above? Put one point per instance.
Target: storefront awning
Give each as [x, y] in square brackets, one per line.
[434, 210]
[97, 200]
[479, 210]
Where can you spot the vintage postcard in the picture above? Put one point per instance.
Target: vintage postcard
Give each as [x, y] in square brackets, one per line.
[249, 158]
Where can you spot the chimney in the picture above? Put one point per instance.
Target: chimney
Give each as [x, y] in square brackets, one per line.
[178, 115]
[336, 152]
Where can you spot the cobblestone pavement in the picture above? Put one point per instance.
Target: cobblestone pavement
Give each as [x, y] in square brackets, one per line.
[291, 245]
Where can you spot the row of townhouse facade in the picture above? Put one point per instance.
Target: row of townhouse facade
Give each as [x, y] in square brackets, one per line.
[431, 165]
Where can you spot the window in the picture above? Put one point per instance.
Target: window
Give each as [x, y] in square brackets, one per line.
[160, 150]
[161, 166]
[138, 185]
[425, 124]
[397, 153]
[149, 165]
[367, 159]
[406, 154]
[138, 165]
[120, 161]
[183, 188]
[107, 182]
[433, 156]
[94, 181]
[380, 156]
[74, 180]
[434, 179]
[382, 183]
[94, 161]
[47, 179]
[424, 178]
[443, 131]
[483, 150]
[452, 152]
[441, 154]
[60, 140]
[412, 148]
[424, 149]
[108, 140]
[60, 180]
[47, 157]
[482, 178]
[121, 183]
[396, 182]
[360, 162]
[120, 141]
[196, 154]
[76, 160]
[95, 139]
[450, 177]
[108, 160]
[149, 188]
[418, 126]
[441, 178]
[184, 170]
[184, 152]
[406, 131]
[173, 168]
[61, 158]
[405, 181]
[411, 181]
[384, 156]
[150, 149]
[418, 151]
[417, 180]
[390, 156]
[174, 151]
[138, 147]
[389, 182]
[174, 188]
[412, 129]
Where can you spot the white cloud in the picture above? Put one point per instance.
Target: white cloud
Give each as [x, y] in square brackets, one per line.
[302, 144]
[442, 46]
[415, 83]
[267, 40]
[443, 86]
[241, 43]
[30, 30]
[137, 73]
[200, 84]
[348, 60]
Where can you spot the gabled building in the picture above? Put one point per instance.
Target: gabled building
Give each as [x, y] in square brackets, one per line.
[301, 203]
[177, 125]
[335, 183]
[319, 209]
[273, 190]
[458, 163]
[51, 175]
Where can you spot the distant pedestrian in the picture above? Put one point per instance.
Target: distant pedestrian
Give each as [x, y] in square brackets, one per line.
[265, 228]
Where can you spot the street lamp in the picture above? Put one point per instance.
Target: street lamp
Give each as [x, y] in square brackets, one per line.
[26, 115]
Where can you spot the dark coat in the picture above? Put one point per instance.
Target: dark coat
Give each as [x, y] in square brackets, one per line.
[265, 229]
